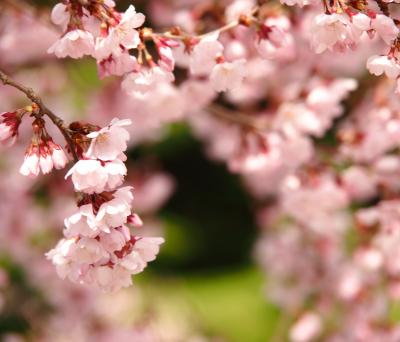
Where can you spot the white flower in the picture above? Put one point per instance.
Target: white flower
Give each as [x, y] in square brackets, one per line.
[92, 176]
[377, 65]
[75, 44]
[109, 142]
[227, 76]
[204, 54]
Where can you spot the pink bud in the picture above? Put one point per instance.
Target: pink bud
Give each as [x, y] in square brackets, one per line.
[9, 123]
[135, 220]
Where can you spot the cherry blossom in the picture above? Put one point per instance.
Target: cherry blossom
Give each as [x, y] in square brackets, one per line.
[227, 76]
[140, 83]
[336, 31]
[124, 33]
[74, 44]
[204, 55]
[109, 142]
[378, 65]
[385, 28]
[90, 176]
[307, 328]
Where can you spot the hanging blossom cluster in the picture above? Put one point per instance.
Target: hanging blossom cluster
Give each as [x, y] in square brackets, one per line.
[98, 247]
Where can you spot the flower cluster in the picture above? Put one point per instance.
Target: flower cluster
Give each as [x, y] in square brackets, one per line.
[42, 154]
[98, 248]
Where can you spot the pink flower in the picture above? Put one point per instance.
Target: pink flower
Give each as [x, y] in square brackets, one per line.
[30, 166]
[58, 156]
[43, 156]
[385, 28]
[116, 171]
[115, 212]
[117, 65]
[124, 32]
[227, 76]
[204, 54]
[238, 8]
[75, 44]
[107, 262]
[164, 45]
[307, 328]
[109, 279]
[274, 39]
[109, 142]
[337, 31]
[60, 15]
[92, 176]
[114, 240]
[45, 160]
[296, 118]
[82, 223]
[9, 124]
[300, 3]
[377, 65]
[141, 83]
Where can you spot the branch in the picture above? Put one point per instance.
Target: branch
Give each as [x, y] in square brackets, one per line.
[43, 110]
[224, 28]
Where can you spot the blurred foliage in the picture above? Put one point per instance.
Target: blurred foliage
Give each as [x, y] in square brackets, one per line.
[209, 221]
[22, 301]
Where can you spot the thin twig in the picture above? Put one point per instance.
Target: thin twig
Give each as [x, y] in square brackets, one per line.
[43, 110]
[224, 28]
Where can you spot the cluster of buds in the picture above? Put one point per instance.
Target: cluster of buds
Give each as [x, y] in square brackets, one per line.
[9, 124]
[98, 248]
[42, 154]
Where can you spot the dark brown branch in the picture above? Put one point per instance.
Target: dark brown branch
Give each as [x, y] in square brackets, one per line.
[43, 110]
